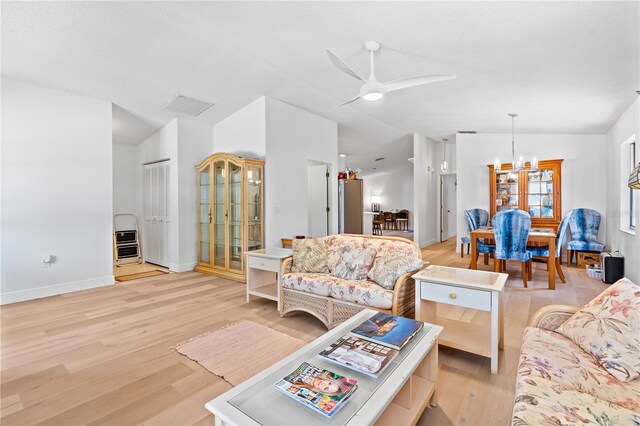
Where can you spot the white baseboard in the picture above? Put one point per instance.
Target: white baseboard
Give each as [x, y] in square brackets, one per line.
[55, 289]
[182, 267]
[427, 243]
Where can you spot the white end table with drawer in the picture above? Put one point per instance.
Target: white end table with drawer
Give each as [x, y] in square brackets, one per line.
[464, 288]
[261, 266]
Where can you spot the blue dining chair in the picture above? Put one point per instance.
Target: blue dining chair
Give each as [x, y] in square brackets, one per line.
[511, 230]
[561, 235]
[475, 219]
[584, 225]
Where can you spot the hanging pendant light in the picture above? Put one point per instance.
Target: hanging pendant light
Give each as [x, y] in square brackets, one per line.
[634, 178]
[444, 166]
[519, 165]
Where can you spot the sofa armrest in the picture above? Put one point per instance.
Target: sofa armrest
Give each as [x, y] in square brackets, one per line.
[285, 266]
[404, 300]
[552, 316]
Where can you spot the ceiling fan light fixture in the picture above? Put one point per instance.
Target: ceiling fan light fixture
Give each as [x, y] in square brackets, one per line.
[372, 91]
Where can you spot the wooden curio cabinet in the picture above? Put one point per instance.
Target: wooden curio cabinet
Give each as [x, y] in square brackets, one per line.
[539, 193]
[230, 213]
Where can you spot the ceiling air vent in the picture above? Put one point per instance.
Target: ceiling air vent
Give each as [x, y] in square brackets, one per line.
[468, 132]
[187, 105]
[379, 159]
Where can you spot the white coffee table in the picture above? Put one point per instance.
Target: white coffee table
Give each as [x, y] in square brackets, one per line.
[263, 273]
[465, 288]
[398, 396]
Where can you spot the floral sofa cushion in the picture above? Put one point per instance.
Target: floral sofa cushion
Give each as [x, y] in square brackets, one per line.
[541, 401]
[553, 357]
[388, 267]
[382, 246]
[348, 258]
[319, 284]
[309, 255]
[608, 328]
[365, 293]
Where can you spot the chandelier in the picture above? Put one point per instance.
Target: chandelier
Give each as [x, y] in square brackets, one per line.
[516, 166]
[444, 167]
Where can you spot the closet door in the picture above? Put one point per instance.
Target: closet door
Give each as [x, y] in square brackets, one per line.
[156, 213]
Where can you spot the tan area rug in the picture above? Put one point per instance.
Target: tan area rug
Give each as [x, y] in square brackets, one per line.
[140, 275]
[239, 351]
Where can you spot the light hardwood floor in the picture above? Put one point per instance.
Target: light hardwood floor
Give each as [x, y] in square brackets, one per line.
[105, 356]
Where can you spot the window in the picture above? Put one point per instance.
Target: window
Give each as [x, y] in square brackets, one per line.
[628, 206]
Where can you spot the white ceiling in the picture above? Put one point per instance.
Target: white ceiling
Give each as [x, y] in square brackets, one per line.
[565, 67]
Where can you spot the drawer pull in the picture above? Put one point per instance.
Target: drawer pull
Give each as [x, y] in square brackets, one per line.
[453, 296]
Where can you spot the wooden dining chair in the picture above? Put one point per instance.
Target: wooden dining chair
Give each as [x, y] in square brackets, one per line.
[389, 221]
[402, 219]
[378, 220]
[511, 230]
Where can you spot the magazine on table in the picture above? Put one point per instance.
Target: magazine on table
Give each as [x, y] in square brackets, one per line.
[321, 390]
[389, 330]
[359, 354]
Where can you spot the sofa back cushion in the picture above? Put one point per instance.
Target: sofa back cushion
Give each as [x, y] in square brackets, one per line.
[608, 328]
[309, 255]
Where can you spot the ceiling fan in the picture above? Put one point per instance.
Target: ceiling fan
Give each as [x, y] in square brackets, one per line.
[372, 89]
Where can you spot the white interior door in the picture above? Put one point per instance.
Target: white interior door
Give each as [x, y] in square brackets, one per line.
[156, 213]
[447, 206]
[318, 201]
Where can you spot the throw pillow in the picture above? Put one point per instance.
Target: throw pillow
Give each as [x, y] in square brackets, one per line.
[608, 328]
[390, 265]
[309, 255]
[353, 263]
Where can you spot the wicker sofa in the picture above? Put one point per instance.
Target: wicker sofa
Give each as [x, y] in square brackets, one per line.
[333, 300]
[558, 382]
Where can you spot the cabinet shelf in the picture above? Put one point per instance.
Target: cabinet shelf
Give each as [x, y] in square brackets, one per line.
[538, 193]
[232, 233]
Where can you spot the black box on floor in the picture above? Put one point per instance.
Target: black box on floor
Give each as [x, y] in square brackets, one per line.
[612, 265]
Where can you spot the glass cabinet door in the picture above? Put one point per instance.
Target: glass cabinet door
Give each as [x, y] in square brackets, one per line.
[254, 204]
[507, 191]
[219, 233]
[540, 193]
[204, 215]
[235, 216]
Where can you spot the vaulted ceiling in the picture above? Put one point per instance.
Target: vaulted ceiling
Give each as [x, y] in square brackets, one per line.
[565, 67]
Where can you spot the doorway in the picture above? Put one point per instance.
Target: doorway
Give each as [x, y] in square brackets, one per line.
[318, 198]
[156, 213]
[448, 188]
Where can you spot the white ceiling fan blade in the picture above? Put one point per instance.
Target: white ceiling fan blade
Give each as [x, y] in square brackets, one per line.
[339, 63]
[416, 81]
[355, 98]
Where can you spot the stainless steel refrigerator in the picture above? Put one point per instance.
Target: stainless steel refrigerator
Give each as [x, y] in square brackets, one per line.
[350, 206]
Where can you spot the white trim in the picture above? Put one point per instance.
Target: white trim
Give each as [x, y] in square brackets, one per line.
[428, 243]
[182, 267]
[55, 289]
[628, 231]
[625, 171]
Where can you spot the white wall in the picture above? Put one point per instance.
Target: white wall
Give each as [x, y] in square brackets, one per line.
[56, 192]
[583, 169]
[393, 189]
[194, 144]
[295, 136]
[425, 190]
[125, 179]
[244, 132]
[627, 125]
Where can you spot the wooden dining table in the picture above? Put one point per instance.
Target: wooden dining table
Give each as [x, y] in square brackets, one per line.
[547, 236]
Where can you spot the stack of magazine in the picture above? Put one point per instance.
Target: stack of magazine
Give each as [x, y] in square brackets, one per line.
[321, 390]
[368, 349]
[372, 345]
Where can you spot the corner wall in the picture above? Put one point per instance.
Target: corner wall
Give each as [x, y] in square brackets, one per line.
[56, 192]
[627, 125]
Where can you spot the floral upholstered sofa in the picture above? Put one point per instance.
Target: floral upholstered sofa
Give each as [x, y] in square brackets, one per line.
[582, 365]
[340, 283]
